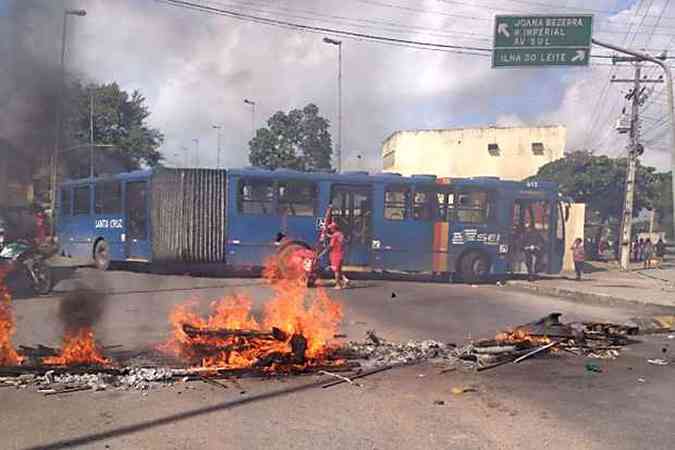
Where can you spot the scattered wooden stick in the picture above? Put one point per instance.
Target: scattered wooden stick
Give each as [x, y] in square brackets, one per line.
[535, 351]
[340, 377]
[213, 382]
[69, 390]
[362, 375]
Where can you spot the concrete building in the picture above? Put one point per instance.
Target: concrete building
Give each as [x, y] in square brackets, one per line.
[511, 153]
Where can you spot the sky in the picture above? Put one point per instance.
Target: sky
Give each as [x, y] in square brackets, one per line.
[195, 69]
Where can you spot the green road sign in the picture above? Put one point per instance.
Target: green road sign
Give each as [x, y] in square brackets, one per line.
[542, 40]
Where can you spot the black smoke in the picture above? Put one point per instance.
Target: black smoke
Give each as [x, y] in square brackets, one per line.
[30, 74]
[81, 308]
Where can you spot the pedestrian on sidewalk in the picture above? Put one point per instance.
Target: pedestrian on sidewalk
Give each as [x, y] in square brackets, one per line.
[337, 253]
[660, 252]
[641, 250]
[579, 256]
[635, 250]
[648, 253]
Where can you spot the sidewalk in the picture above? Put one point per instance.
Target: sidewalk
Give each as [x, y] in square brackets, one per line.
[607, 285]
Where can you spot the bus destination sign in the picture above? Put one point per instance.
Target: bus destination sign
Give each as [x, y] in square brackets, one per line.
[542, 40]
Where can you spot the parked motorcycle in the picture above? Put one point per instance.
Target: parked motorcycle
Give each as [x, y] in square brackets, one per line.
[25, 261]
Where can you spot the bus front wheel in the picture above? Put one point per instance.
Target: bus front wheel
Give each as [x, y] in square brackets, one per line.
[474, 267]
[101, 255]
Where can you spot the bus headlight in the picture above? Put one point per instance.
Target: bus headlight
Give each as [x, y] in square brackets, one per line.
[503, 249]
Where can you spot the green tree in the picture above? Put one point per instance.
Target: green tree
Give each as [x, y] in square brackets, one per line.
[120, 120]
[298, 140]
[663, 202]
[598, 181]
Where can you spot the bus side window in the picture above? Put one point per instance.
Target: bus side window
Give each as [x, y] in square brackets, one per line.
[108, 198]
[256, 197]
[81, 200]
[297, 198]
[65, 207]
[423, 205]
[396, 199]
[472, 207]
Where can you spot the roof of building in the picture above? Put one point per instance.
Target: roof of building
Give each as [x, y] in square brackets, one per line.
[489, 127]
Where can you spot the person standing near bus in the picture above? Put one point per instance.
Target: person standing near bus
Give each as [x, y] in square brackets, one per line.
[579, 256]
[533, 244]
[336, 248]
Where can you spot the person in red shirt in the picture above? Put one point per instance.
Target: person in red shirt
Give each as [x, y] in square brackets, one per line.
[579, 256]
[336, 248]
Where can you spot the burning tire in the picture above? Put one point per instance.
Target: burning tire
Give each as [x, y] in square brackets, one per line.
[474, 267]
[101, 255]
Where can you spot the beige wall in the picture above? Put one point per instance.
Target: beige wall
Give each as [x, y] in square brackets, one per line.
[574, 228]
[464, 152]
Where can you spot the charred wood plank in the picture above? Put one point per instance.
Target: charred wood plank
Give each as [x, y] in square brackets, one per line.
[276, 333]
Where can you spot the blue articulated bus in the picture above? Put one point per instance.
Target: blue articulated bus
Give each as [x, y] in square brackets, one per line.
[420, 224]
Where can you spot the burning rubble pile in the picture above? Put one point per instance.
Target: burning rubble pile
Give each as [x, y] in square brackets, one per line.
[589, 339]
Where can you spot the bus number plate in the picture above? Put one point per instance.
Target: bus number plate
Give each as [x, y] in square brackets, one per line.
[109, 223]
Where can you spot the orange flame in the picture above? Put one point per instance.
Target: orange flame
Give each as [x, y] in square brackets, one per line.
[521, 335]
[8, 355]
[78, 348]
[292, 310]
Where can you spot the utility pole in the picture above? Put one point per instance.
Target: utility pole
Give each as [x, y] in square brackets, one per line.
[669, 93]
[196, 141]
[629, 190]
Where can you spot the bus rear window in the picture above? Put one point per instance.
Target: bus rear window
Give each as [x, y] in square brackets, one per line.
[108, 198]
[396, 200]
[297, 198]
[81, 199]
[256, 197]
[472, 207]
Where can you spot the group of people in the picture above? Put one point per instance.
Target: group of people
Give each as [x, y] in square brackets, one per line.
[643, 250]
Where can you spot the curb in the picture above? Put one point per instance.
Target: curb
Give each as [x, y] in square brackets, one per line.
[582, 297]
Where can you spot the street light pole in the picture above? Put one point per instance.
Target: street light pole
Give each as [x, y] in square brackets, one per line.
[196, 141]
[218, 127]
[671, 102]
[91, 134]
[252, 103]
[59, 109]
[187, 155]
[338, 148]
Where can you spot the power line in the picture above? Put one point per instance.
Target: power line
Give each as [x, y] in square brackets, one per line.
[461, 49]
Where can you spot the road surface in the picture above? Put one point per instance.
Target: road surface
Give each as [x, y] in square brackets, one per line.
[541, 403]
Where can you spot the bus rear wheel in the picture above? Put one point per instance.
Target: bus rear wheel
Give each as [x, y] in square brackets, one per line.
[101, 255]
[474, 267]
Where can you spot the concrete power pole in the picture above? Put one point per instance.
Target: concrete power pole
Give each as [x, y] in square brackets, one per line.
[636, 96]
[627, 219]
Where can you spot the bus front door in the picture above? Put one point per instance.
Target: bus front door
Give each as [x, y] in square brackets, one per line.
[352, 211]
[137, 242]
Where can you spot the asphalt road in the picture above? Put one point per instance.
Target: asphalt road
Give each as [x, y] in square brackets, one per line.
[540, 403]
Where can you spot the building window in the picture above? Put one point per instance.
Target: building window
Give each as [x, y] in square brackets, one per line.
[396, 200]
[537, 148]
[388, 160]
[297, 198]
[256, 197]
[108, 198]
[472, 207]
[493, 149]
[81, 199]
